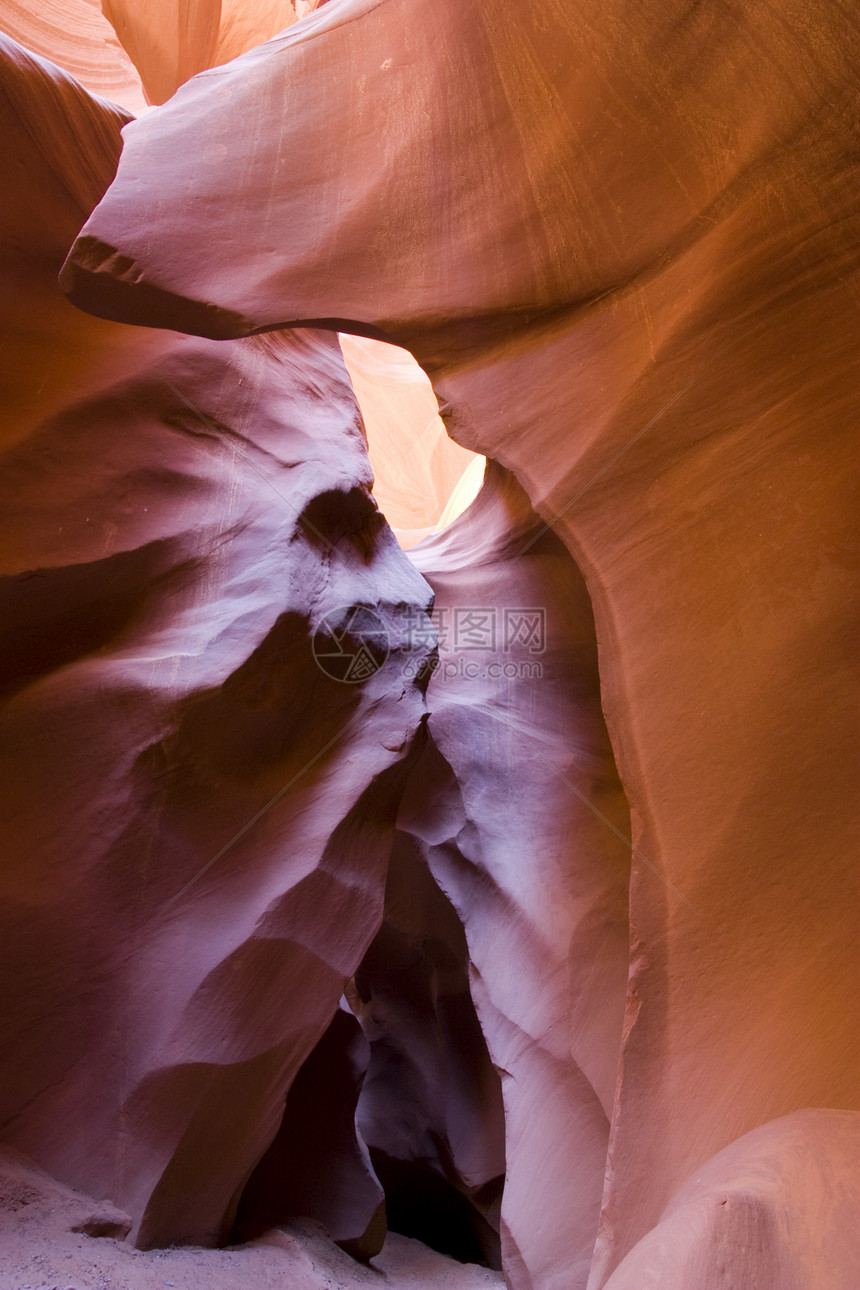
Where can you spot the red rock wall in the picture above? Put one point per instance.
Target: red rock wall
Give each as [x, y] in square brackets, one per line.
[623, 241]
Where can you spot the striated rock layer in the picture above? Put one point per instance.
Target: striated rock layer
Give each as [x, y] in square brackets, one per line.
[621, 239]
[198, 804]
[170, 40]
[77, 36]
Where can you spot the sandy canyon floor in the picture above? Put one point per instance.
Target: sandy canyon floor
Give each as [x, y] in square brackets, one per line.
[41, 1250]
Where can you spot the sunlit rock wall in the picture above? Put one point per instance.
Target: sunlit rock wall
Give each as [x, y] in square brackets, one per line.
[77, 36]
[422, 478]
[623, 242]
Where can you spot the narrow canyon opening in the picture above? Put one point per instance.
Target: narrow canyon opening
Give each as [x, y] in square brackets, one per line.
[423, 480]
[400, 1092]
[407, 1081]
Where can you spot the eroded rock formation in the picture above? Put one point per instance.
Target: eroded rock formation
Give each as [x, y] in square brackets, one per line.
[431, 1108]
[775, 1208]
[77, 36]
[317, 1165]
[170, 40]
[197, 808]
[621, 240]
[630, 256]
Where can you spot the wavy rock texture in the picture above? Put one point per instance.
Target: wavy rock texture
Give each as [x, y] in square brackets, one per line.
[76, 35]
[197, 815]
[170, 40]
[167, 41]
[621, 240]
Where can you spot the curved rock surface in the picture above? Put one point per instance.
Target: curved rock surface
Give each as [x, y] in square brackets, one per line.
[197, 808]
[76, 36]
[167, 41]
[626, 263]
[519, 810]
[622, 240]
[776, 1208]
[170, 40]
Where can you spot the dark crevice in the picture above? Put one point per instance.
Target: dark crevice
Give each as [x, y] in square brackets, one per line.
[422, 1204]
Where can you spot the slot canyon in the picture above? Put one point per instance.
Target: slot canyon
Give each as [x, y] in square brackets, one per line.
[429, 713]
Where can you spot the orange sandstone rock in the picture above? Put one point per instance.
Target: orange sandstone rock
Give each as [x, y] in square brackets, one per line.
[621, 239]
[76, 35]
